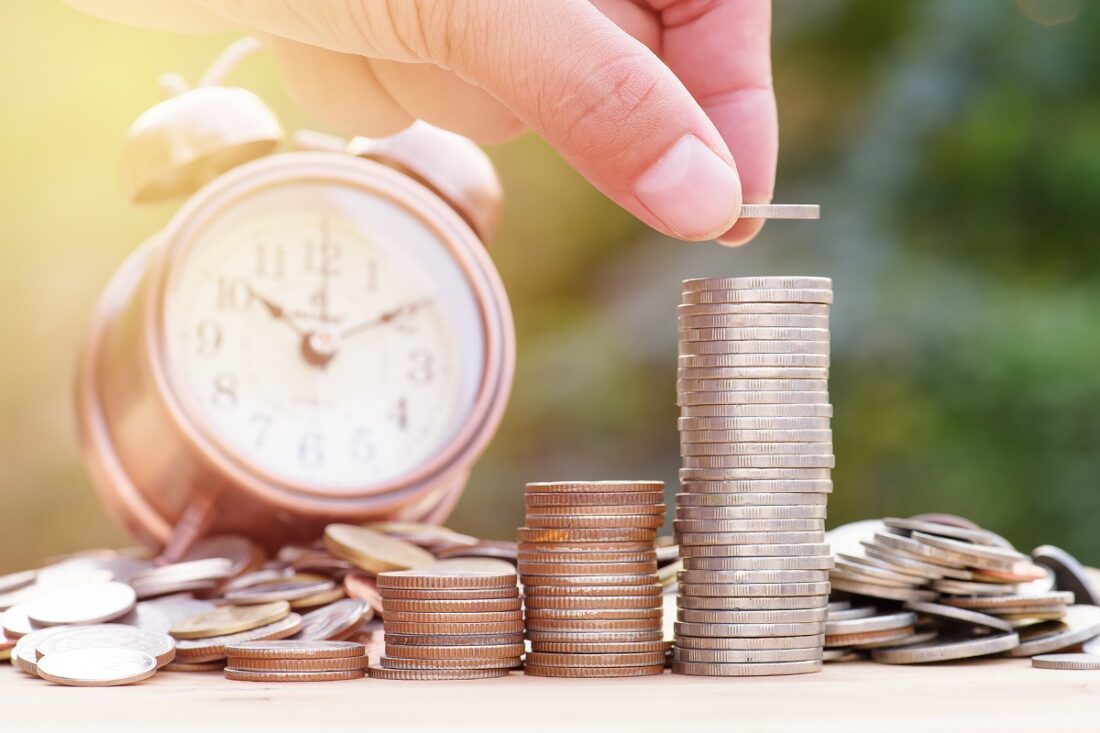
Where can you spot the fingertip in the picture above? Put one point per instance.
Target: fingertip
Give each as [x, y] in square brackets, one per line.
[741, 233]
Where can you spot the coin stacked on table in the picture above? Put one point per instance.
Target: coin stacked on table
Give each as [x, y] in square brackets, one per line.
[933, 589]
[295, 661]
[588, 564]
[757, 452]
[454, 619]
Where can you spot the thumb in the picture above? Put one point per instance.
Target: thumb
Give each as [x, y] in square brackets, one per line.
[601, 98]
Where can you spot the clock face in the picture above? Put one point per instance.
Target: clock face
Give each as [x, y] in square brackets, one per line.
[323, 334]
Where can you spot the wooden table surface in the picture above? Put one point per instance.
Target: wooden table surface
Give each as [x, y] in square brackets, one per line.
[999, 695]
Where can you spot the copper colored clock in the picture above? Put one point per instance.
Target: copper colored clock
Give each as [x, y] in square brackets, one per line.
[316, 335]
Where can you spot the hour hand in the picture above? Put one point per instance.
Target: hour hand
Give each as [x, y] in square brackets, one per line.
[276, 311]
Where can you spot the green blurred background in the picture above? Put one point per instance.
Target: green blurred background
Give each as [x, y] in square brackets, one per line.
[954, 146]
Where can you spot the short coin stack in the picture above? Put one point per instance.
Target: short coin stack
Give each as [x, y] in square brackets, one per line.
[455, 619]
[757, 450]
[588, 563]
[295, 661]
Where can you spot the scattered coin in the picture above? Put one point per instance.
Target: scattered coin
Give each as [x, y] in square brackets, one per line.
[1068, 573]
[96, 667]
[1066, 661]
[85, 603]
[374, 551]
[295, 649]
[335, 621]
[161, 647]
[941, 651]
[228, 620]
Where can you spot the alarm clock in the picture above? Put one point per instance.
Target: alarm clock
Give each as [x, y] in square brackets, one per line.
[317, 335]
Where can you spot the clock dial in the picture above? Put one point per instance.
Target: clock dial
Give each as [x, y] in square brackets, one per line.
[324, 335]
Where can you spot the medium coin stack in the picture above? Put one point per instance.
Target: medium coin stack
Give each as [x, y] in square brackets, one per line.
[588, 563]
[455, 619]
[757, 451]
[295, 661]
[933, 589]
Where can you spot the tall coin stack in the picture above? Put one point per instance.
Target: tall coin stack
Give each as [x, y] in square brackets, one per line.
[757, 450]
[455, 620]
[588, 564]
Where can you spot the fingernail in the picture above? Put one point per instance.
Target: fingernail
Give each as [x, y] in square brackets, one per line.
[691, 190]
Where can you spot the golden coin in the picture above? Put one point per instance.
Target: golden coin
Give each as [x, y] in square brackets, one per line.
[553, 521]
[594, 486]
[84, 603]
[250, 676]
[441, 594]
[374, 551]
[489, 663]
[427, 617]
[595, 625]
[584, 672]
[161, 647]
[489, 651]
[566, 501]
[211, 648]
[319, 599]
[453, 606]
[745, 670]
[649, 589]
[586, 568]
[97, 667]
[295, 649]
[424, 675]
[495, 627]
[452, 574]
[627, 659]
[453, 640]
[226, 620]
[334, 621]
[610, 647]
[592, 602]
[334, 664]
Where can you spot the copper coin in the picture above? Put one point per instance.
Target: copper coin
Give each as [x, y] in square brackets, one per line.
[491, 663]
[452, 574]
[495, 627]
[249, 676]
[453, 639]
[594, 486]
[585, 547]
[579, 591]
[294, 649]
[644, 556]
[594, 625]
[583, 672]
[596, 510]
[593, 602]
[527, 569]
[535, 614]
[485, 548]
[526, 534]
[605, 499]
[361, 587]
[336, 664]
[594, 637]
[493, 651]
[745, 670]
[424, 675]
[571, 522]
[453, 606]
[443, 594]
[321, 562]
[767, 603]
[335, 620]
[627, 659]
[424, 617]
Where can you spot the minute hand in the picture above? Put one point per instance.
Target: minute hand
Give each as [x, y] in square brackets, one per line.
[384, 318]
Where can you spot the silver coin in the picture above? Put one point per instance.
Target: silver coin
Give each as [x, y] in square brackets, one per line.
[960, 615]
[759, 346]
[942, 651]
[751, 448]
[754, 320]
[747, 643]
[981, 556]
[748, 538]
[965, 588]
[692, 475]
[85, 603]
[760, 295]
[753, 589]
[1010, 604]
[868, 624]
[1080, 624]
[855, 570]
[758, 282]
[882, 591]
[757, 486]
[750, 500]
[752, 334]
[723, 309]
[161, 647]
[1066, 661]
[97, 667]
[761, 410]
[902, 566]
[1068, 573]
[724, 616]
[817, 460]
[809, 511]
[752, 576]
[755, 550]
[854, 577]
[914, 563]
[749, 525]
[777, 397]
[759, 429]
[745, 656]
[780, 211]
[840, 655]
[902, 640]
[977, 536]
[851, 612]
[919, 549]
[683, 628]
[749, 603]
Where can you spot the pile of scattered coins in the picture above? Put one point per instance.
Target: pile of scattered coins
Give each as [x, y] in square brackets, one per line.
[757, 454]
[454, 619]
[588, 563]
[938, 588]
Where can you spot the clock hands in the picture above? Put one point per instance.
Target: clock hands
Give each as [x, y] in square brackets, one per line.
[276, 311]
[385, 317]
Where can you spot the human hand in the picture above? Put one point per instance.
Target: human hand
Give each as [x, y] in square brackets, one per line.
[651, 100]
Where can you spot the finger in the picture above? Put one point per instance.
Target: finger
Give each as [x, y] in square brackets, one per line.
[640, 22]
[721, 51]
[611, 107]
[439, 97]
[341, 89]
[179, 16]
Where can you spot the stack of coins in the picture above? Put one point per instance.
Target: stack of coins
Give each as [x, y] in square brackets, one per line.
[295, 661]
[932, 589]
[588, 563]
[757, 450]
[455, 619]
